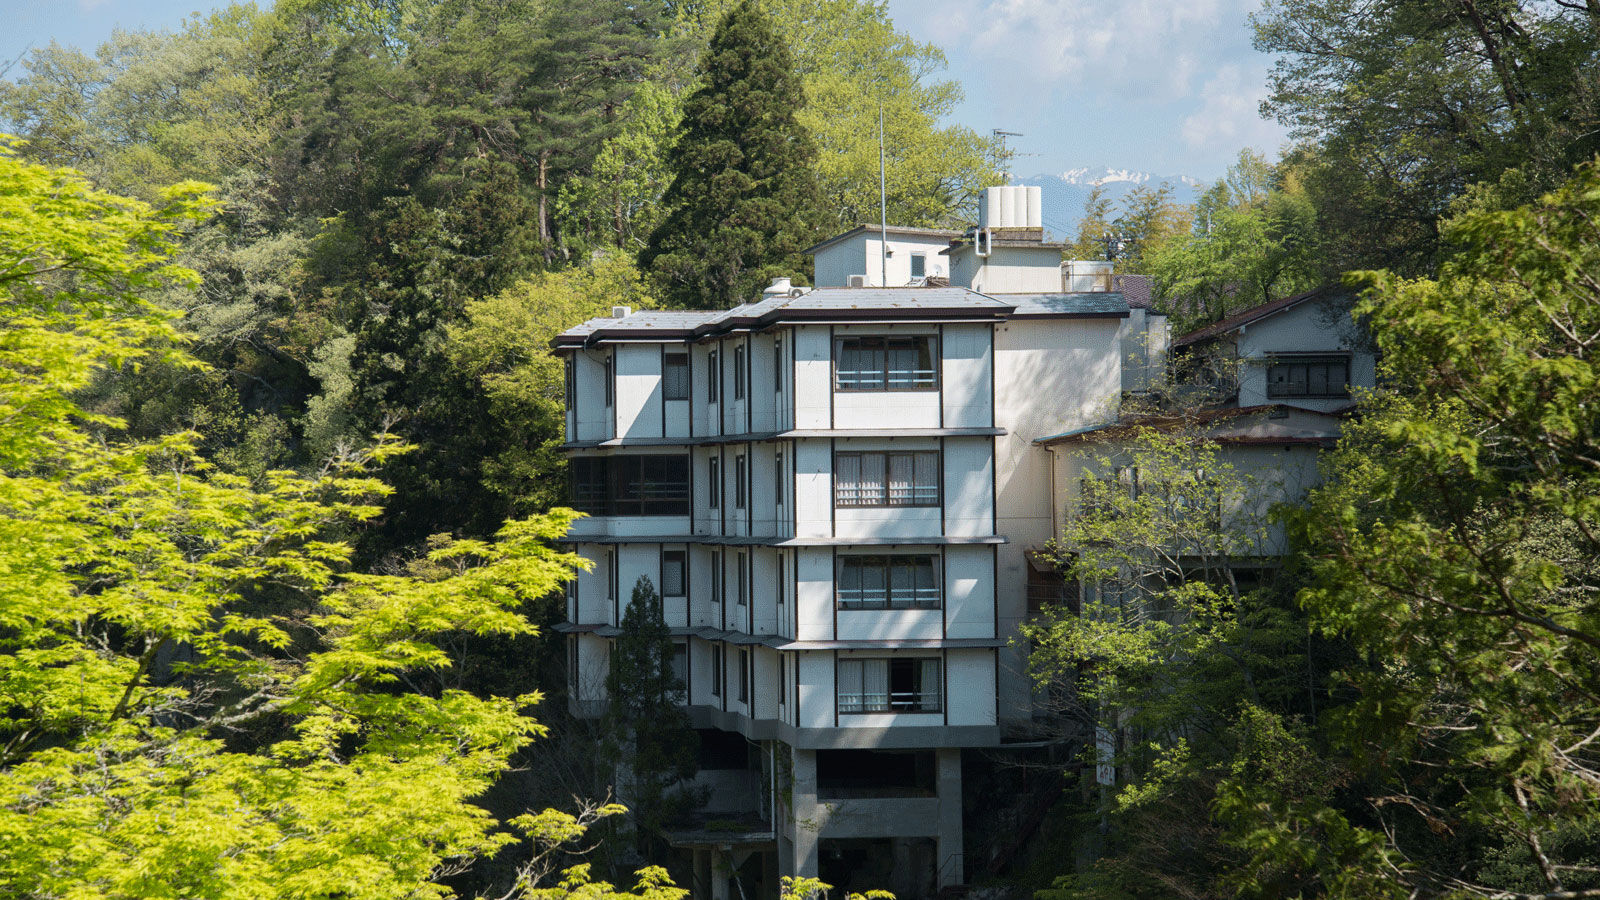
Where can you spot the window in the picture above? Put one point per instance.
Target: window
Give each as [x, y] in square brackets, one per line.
[715, 483]
[882, 581]
[570, 371]
[740, 575]
[919, 265]
[738, 373]
[680, 670]
[713, 372]
[572, 662]
[1321, 376]
[777, 365]
[777, 478]
[652, 485]
[716, 670]
[744, 675]
[611, 381]
[780, 590]
[888, 685]
[716, 578]
[739, 475]
[674, 564]
[675, 376]
[885, 364]
[886, 479]
[783, 681]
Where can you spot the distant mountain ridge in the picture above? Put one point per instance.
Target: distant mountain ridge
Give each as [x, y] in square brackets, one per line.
[1065, 194]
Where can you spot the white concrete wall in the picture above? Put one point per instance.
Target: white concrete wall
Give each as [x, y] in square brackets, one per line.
[1008, 270]
[861, 255]
[968, 490]
[814, 594]
[970, 677]
[813, 377]
[969, 591]
[593, 417]
[638, 379]
[967, 361]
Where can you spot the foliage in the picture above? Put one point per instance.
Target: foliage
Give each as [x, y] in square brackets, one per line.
[642, 688]
[1147, 222]
[743, 200]
[1404, 105]
[501, 349]
[1455, 548]
[1184, 647]
[1254, 241]
[792, 888]
[197, 696]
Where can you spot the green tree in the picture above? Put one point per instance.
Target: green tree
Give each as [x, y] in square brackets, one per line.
[1185, 650]
[1404, 106]
[1455, 548]
[658, 748]
[1144, 223]
[743, 201]
[1254, 240]
[501, 350]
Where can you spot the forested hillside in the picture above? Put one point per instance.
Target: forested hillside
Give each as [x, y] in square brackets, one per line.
[281, 487]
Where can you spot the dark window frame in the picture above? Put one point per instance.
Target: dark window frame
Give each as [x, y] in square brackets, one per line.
[675, 376]
[879, 376]
[884, 495]
[680, 558]
[741, 474]
[915, 595]
[738, 372]
[1308, 364]
[713, 375]
[611, 380]
[902, 672]
[714, 483]
[626, 486]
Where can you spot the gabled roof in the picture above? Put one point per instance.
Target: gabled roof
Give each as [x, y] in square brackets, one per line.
[1253, 314]
[1135, 289]
[1217, 416]
[936, 234]
[870, 304]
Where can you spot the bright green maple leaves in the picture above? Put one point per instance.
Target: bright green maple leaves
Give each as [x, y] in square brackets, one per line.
[197, 698]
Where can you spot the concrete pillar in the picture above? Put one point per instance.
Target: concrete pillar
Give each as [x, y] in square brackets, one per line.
[807, 815]
[721, 868]
[951, 861]
[701, 888]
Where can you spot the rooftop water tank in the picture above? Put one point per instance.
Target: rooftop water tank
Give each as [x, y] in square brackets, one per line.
[1011, 206]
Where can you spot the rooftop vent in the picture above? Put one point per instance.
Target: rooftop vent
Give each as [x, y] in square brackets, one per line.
[621, 312]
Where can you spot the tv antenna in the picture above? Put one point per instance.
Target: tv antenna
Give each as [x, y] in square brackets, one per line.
[1006, 154]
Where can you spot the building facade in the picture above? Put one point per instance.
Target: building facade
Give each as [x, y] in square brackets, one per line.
[835, 490]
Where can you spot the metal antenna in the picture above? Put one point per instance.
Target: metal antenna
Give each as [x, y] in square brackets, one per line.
[883, 205]
[1006, 154]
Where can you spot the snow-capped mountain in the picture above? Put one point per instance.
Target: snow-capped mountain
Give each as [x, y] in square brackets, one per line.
[1064, 194]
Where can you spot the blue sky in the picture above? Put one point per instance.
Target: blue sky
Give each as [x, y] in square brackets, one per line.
[1163, 86]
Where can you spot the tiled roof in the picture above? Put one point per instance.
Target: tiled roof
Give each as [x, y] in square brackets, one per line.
[1136, 289]
[1200, 417]
[1253, 314]
[1096, 303]
[647, 320]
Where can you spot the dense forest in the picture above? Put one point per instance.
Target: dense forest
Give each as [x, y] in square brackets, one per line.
[281, 481]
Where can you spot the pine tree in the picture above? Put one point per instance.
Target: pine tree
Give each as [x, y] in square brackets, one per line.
[657, 745]
[744, 199]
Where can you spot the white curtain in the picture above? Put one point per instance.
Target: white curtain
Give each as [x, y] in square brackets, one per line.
[875, 683]
[850, 685]
[930, 684]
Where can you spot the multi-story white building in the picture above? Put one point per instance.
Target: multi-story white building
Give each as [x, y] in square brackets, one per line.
[835, 490]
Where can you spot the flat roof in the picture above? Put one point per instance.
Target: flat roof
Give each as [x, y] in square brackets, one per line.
[875, 228]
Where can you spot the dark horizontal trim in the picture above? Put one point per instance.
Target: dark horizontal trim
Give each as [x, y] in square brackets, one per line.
[796, 434]
[720, 540]
[904, 644]
[1069, 315]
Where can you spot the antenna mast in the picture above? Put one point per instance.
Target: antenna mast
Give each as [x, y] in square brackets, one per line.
[883, 206]
[1005, 154]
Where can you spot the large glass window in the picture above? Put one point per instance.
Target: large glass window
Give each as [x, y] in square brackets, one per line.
[716, 669]
[886, 364]
[887, 478]
[680, 670]
[654, 485]
[889, 685]
[888, 581]
[1322, 376]
[675, 376]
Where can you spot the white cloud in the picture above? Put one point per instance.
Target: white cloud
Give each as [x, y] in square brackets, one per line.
[1228, 115]
[1134, 49]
